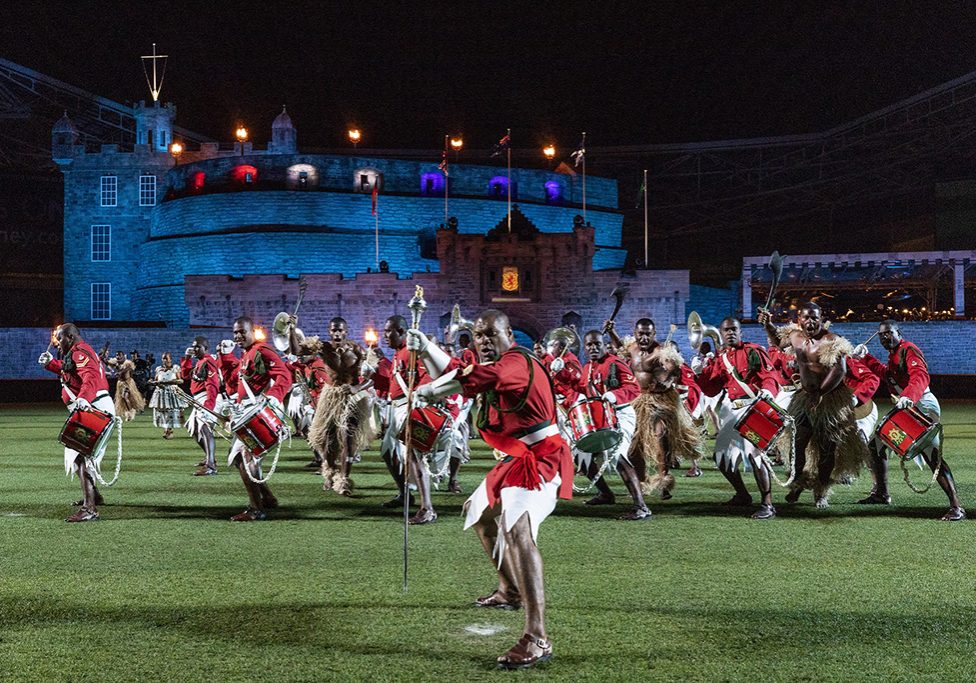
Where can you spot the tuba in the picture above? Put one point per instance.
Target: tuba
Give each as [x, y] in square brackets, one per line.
[567, 335]
[456, 325]
[697, 331]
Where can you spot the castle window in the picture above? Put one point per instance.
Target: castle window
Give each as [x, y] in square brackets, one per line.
[147, 190]
[498, 188]
[554, 193]
[244, 174]
[110, 190]
[101, 301]
[197, 180]
[432, 184]
[365, 179]
[101, 243]
[302, 177]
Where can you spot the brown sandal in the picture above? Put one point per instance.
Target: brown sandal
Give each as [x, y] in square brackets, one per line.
[498, 601]
[519, 657]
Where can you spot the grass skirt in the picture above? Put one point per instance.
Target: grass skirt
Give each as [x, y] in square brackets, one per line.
[680, 439]
[337, 416]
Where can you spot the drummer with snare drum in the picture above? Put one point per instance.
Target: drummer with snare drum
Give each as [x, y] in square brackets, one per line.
[743, 371]
[84, 387]
[607, 379]
[907, 377]
[261, 377]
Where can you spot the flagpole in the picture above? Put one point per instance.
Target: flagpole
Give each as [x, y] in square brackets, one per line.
[447, 179]
[646, 264]
[376, 217]
[508, 150]
[584, 177]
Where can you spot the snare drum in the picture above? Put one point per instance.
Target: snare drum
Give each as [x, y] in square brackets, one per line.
[594, 424]
[762, 423]
[86, 431]
[426, 426]
[907, 431]
[259, 428]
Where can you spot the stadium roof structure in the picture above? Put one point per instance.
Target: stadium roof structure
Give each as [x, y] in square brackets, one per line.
[867, 286]
[37, 101]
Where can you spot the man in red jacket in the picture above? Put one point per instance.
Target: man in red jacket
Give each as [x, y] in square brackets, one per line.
[201, 368]
[261, 373]
[907, 377]
[742, 370]
[83, 387]
[535, 467]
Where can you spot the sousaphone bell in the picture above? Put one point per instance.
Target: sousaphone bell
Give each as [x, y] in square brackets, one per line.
[697, 331]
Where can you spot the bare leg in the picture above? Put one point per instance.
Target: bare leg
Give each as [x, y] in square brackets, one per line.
[508, 590]
[528, 571]
[426, 513]
[879, 472]
[629, 476]
[802, 435]
[763, 475]
[393, 465]
[948, 484]
[734, 477]
[253, 492]
[452, 482]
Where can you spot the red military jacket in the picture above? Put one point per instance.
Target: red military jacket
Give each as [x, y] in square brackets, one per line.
[905, 373]
[383, 377]
[688, 388]
[750, 363]
[204, 376]
[82, 372]
[861, 380]
[782, 364]
[265, 373]
[401, 366]
[609, 374]
[467, 357]
[228, 364]
[567, 379]
[315, 374]
[518, 400]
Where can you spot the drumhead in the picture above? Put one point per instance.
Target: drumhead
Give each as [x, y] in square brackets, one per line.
[600, 440]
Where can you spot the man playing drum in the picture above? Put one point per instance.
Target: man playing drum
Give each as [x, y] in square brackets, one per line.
[742, 371]
[83, 387]
[907, 377]
[822, 407]
[204, 376]
[519, 420]
[261, 373]
[392, 449]
[609, 378]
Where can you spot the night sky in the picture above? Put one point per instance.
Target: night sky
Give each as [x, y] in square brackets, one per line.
[409, 72]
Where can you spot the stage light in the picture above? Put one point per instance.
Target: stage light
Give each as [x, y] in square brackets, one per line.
[370, 336]
[259, 334]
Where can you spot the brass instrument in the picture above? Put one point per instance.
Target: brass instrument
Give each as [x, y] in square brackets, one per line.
[697, 331]
[281, 328]
[456, 325]
[567, 335]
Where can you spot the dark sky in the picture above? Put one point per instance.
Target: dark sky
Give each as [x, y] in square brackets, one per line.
[409, 72]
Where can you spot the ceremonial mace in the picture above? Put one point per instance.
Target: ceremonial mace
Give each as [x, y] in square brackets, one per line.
[417, 307]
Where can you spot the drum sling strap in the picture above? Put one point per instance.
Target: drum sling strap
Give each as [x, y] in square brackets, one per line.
[90, 462]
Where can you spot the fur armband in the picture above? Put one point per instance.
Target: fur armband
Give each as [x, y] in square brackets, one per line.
[833, 350]
[784, 332]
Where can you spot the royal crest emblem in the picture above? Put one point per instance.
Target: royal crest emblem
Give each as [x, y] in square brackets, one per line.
[896, 436]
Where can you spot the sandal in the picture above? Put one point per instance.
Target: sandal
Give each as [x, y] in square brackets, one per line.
[519, 657]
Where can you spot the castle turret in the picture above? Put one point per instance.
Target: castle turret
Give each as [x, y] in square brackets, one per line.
[284, 137]
[64, 136]
[154, 125]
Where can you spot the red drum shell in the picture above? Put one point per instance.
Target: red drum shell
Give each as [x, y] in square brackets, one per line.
[85, 430]
[426, 425]
[593, 422]
[259, 428]
[762, 423]
[907, 431]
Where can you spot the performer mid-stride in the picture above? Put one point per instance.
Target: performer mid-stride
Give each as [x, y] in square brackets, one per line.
[84, 386]
[518, 419]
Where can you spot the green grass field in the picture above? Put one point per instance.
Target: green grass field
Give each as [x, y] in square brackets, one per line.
[165, 588]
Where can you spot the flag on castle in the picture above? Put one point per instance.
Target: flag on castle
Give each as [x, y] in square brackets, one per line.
[375, 194]
[501, 145]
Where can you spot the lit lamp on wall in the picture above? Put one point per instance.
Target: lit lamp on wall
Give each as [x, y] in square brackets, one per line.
[354, 137]
[176, 149]
[456, 144]
[241, 135]
[549, 152]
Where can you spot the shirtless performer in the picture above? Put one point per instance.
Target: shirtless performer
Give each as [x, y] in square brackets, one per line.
[340, 423]
[822, 407]
[535, 467]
